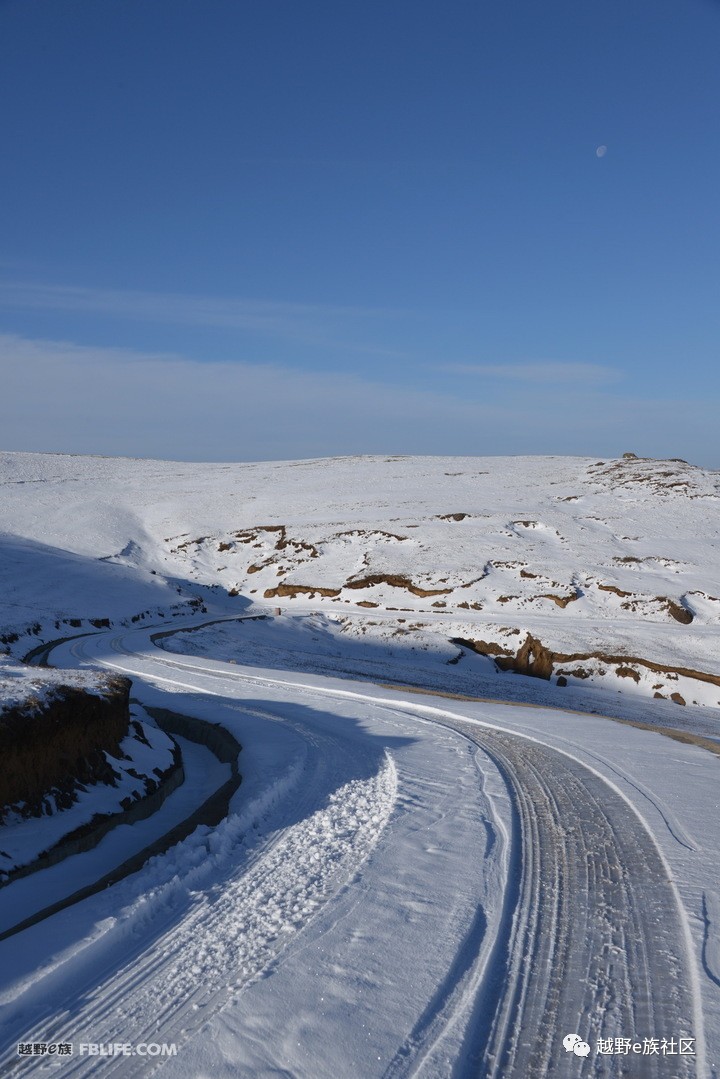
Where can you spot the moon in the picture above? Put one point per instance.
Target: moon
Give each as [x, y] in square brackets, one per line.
[601, 151]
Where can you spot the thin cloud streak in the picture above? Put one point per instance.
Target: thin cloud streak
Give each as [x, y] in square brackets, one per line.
[541, 371]
[62, 397]
[313, 324]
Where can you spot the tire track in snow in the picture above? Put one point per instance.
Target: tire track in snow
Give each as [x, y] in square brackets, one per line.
[593, 940]
[596, 944]
[231, 935]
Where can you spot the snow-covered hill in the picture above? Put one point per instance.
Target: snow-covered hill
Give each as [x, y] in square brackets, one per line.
[612, 567]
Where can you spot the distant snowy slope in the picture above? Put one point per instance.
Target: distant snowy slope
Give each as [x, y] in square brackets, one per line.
[592, 558]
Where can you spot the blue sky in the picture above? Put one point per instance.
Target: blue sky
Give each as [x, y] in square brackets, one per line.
[234, 230]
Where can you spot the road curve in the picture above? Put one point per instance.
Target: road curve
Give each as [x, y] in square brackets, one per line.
[591, 938]
[595, 945]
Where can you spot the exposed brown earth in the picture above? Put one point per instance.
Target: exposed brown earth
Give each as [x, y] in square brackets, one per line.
[616, 591]
[534, 659]
[561, 601]
[56, 745]
[678, 612]
[629, 471]
[293, 590]
[681, 614]
[190, 543]
[483, 648]
[531, 658]
[396, 581]
[627, 672]
[371, 533]
[251, 535]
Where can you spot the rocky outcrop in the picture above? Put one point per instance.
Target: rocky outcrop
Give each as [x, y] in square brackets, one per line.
[293, 590]
[87, 836]
[532, 658]
[396, 580]
[51, 745]
[535, 659]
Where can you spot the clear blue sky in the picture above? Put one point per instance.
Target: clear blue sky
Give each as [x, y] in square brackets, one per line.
[238, 230]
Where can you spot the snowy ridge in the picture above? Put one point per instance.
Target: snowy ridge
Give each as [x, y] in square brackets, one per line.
[599, 561]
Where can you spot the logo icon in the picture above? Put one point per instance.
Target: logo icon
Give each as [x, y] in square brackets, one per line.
[574, 1044]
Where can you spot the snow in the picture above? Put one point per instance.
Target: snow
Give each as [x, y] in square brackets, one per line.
[23, 839]
[407, 883]
[203, 775]
[626, 542]
[32, 687]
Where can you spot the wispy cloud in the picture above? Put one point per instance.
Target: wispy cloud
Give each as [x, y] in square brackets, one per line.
[76, 399]
[164, 306]
[58, 395]
[318, 324]
[541, 372]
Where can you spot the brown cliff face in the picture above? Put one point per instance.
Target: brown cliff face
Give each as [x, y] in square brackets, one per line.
[55, 745]
[532, 658]
[535, 659]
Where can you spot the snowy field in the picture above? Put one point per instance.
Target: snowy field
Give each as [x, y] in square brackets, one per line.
[407, 883]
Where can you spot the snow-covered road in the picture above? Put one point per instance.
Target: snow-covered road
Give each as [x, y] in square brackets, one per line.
[401, 889]
[597, 935]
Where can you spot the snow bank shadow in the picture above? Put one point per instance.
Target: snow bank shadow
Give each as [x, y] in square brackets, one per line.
[47, 591]
[214, 912]
[314, 643]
